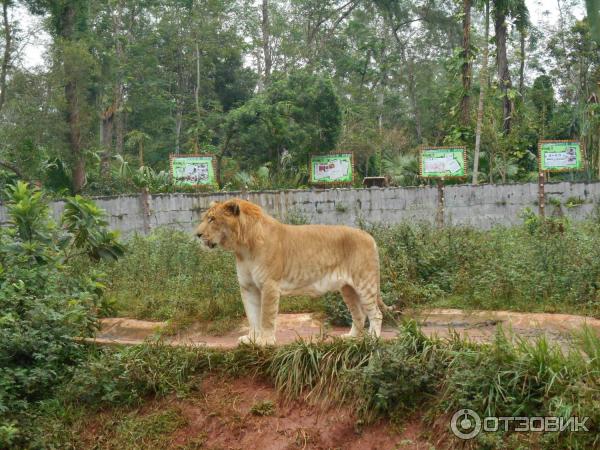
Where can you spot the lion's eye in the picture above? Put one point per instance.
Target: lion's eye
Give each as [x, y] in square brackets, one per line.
[211, 219]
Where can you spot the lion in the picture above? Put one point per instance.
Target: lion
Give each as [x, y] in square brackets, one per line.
[274, 259]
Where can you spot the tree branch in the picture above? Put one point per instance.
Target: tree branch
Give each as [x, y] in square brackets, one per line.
[12, 168]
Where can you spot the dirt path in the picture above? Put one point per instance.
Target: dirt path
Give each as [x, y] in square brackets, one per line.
[477, 325]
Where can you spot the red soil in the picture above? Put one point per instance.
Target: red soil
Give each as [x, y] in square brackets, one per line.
[221, 417]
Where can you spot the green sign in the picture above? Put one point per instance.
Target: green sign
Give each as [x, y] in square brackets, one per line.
[336, 168]
[443, 162]
[193, 170]
[560, 155]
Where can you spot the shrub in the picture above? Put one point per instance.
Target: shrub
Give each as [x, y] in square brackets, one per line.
[127, 375]
[44, 304]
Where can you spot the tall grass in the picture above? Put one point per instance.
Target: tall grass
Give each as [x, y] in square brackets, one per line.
[167, 275]
[553, 267]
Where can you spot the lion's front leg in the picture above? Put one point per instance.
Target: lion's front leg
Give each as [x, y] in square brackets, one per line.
[251, 298]
[268, 313]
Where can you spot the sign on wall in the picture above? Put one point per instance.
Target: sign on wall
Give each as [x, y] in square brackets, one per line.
[193, 170]
[557, 156]
[330, 169]
[442, 162]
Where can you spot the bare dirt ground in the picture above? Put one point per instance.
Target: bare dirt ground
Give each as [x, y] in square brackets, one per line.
[222, 415]
[477, 325]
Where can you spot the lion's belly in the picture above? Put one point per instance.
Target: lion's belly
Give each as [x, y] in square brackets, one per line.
[328, 283]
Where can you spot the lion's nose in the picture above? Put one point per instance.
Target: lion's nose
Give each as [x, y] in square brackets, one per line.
[199, 235]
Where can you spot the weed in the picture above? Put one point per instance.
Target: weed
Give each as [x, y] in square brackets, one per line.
[341, 208]
[572, 202]
[263, 408]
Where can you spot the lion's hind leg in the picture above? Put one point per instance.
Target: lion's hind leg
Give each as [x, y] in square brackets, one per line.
[369, 301]
[352, 300]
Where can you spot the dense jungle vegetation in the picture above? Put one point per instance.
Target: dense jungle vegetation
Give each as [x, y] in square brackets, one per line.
[261, 84]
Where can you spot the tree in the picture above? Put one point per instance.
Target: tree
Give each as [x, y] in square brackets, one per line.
[466, 64]
[266, 35]
[542, 97]
[503, 10]
[297, 115]
[593, 13]
[8, 50]
[483, 76]
[69, 22]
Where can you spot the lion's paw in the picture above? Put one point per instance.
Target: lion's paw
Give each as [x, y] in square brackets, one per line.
[263, 341]
[247, 340]
[351, 335]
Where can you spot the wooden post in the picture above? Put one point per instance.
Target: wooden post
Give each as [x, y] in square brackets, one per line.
[439, 219]
[541, 195]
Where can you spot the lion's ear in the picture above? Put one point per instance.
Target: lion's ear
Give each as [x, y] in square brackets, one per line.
[213, 204]
[233, 208]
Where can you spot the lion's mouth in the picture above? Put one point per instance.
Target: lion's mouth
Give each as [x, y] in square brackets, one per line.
[209, 244]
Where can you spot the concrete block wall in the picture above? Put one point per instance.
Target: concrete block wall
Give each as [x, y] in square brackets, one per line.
[482, 206]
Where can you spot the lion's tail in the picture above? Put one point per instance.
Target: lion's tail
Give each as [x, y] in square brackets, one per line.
[382, 305]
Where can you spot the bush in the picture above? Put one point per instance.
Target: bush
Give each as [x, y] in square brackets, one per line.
[44, 304]
[126, 375]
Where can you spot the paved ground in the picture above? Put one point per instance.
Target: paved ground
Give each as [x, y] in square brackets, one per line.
[477, 325]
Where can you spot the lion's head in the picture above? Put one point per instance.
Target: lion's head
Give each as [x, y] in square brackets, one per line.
[231, 225]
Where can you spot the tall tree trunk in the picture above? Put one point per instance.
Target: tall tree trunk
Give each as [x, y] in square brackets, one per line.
[120, 126]
[106, 138]
[72, 98]
[466, 66]
[593, 14]
[502, 63]
[111, 118]
[178, 125]
[483, 75]
[522, 62]
[197, 98]
[266, 41]
[74, 121]
[7, 53]
[412, 94]
[407, 62]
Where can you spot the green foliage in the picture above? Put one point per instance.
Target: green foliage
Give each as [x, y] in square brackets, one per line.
[28, 212]
[297, 115]
[168, 275]
[519, 378]
[45, 302]
[263, 408]
[86, 223]
[128, 375]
